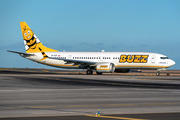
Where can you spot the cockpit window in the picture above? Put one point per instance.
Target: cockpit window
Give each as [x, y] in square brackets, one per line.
[164, 57]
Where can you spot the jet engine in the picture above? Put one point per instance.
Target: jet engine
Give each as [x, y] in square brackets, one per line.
[105, 68]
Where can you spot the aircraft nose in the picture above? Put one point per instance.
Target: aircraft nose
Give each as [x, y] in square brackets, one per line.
[171, 62]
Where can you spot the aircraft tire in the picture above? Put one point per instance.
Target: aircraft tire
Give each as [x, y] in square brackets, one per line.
[158, 74]
[89, 72]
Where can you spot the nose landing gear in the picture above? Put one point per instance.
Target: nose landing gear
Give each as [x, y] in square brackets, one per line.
[158, 73]
[159, 70]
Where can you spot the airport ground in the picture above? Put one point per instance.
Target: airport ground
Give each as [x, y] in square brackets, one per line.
[71, 95]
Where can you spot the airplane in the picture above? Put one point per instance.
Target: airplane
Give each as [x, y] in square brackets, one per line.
[101, 62]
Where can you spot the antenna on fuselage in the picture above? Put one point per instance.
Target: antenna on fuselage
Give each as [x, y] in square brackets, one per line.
[102, 50]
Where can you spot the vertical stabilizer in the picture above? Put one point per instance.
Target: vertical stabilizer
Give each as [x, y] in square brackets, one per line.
[31, 42]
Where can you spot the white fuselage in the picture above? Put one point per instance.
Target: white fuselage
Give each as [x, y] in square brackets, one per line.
[153, 61]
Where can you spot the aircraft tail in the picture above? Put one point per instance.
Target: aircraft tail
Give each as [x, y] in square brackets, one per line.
[31, 41]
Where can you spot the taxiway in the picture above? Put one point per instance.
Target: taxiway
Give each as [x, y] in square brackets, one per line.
[58, 95]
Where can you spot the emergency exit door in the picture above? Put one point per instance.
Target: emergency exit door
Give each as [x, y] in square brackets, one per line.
[153, 58]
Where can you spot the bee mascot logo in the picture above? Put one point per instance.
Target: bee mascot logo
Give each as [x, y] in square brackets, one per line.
[29, 38]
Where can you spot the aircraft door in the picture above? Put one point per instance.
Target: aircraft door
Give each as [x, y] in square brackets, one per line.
[69, 56]
[153, 58]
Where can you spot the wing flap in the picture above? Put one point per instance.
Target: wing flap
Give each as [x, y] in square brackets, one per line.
[82, 62]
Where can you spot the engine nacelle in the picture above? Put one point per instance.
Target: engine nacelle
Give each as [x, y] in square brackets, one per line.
[105, 68]
[122, 70]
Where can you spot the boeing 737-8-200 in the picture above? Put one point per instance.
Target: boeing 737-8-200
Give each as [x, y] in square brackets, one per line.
[101, 62]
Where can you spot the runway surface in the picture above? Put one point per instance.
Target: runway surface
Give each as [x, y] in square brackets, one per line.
[76, 96]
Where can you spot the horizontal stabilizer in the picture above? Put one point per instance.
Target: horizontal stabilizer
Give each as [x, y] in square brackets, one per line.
[20, 53]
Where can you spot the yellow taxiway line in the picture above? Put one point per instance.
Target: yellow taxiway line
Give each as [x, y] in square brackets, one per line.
[112, 117]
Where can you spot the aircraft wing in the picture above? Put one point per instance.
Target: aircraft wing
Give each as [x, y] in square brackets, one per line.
[82, 62]
[68, 61]
[20, 53]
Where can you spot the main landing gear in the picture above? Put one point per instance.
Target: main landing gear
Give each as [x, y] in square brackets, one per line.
[89, 72]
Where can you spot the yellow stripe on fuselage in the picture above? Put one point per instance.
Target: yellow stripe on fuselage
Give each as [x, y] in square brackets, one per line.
[120, 66]
[139, 66]
[102, 68]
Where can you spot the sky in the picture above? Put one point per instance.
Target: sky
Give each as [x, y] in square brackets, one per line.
[91, 25]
